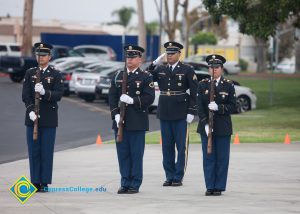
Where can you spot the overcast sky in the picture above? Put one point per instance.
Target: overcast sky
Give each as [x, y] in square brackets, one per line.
[93, 11]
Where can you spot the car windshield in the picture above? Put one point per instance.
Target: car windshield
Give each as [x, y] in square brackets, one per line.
[15, 48]
[68, 65]
[75, 53]
[100, 69]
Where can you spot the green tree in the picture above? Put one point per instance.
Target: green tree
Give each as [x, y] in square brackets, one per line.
[258, 18]
[152, 28]
[204, 38]
[124, 15]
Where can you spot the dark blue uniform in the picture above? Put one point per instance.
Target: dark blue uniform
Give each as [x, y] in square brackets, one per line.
[131, 150]
[41, 152]
[215, 165]
[173, 106]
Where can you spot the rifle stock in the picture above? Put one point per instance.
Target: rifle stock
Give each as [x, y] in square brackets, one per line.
[122, 105]
[211, 113]
[37, 102]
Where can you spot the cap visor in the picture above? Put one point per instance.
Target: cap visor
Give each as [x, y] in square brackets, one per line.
[171, 52]
[41, 53]
[215, 65]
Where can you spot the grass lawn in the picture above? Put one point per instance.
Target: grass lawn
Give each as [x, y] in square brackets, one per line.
[267, 123]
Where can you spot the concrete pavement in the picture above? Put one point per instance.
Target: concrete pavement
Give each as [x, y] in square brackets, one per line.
[263, 178]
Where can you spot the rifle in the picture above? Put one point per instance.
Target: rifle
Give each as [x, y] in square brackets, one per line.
[37, 101]
[211, 113]
[122, 105]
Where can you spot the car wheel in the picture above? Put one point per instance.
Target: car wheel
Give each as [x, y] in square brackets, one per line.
[243, 104]
[16, 77]
[89, 99]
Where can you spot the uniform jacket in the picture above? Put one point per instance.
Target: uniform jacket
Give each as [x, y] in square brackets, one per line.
[182, 78]
[53, 85]
[225, 99]
[141, 88]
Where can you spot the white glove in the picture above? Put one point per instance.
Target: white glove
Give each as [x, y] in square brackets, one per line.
[39, 88]
[213, 106]
[126, 99]
[206, 129]
[32, 116]
[189, 118]
[159, 59]
[117, 119]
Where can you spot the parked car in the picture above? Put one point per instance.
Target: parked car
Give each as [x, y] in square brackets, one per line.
[66, 69]
[98, 51]
[10, 49]
[85, 69]
[230, 67]
[85, 85]
[246, 98]
[16, 66]
[286, 66]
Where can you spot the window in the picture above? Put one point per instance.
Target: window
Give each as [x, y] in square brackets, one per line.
[15, 48]
[94, 51]
[3, 48]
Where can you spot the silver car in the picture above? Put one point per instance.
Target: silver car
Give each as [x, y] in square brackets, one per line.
[98, 51]
[86, 82]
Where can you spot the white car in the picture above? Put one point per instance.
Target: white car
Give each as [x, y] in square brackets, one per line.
[88, 68]
[85, 83]
[98, 51]
[286, 66]
[10, 49]
[246, 98]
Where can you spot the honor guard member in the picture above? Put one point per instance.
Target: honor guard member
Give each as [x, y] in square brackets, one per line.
[176, 108]
[140, 95]
[215, 165]
[50, 88]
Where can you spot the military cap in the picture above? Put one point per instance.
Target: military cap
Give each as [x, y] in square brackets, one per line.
[215, 60]
[133, 51]
[42, 49]
[173, 47]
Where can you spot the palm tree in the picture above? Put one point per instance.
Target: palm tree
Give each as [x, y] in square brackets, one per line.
[124, 14]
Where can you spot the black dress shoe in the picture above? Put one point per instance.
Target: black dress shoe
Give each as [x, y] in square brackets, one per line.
[122, 190]
[38, 186]
[176, 183]
[44, 188]
[217, 192]
[209, 192]
[167, 183]
[132, 191]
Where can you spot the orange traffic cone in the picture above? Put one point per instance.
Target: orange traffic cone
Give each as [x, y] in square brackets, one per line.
[236, 139]
[160, 141]
[98, 140]
[287, 139]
